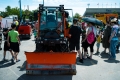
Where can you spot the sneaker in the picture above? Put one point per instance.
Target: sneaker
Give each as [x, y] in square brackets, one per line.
[112, 58]
[12, 61]
[97, 52]
[81, 60]
[89, 57]
[104, 51]
[18, 60]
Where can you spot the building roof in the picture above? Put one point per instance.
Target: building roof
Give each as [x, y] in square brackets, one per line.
[91, 11]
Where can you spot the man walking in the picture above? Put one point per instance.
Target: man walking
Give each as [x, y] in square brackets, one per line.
[74, 34]
[13, 35]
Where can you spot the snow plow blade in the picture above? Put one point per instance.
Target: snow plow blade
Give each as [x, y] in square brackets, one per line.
[51, 63]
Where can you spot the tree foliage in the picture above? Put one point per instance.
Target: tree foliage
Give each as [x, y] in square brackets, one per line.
[25, 13]
[77, 15]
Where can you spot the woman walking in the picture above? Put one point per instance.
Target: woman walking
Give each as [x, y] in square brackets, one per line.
[92, 29]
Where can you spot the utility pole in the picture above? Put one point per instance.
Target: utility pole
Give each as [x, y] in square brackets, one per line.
[43, 2]
[88, 5]
[20, 11]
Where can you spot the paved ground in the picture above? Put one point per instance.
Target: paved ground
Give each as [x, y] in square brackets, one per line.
[100, 68]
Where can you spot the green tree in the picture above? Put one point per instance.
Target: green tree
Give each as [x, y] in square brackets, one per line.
[11, 11]
[114, 12]
[77, 15]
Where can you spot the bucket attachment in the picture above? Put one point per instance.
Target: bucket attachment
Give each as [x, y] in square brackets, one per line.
[55, 63]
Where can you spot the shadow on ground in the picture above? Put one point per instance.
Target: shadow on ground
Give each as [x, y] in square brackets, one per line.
[104, 55]
[112, 61]
[24, 39]
[22, 67]
[87, 62]
[43, 77]
[4, 64]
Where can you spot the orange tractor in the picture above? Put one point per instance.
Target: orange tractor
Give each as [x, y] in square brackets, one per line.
[52, 55]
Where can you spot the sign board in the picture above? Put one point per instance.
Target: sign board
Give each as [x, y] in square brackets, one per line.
[6, 22]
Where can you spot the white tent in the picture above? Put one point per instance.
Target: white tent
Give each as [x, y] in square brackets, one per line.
[6, 22]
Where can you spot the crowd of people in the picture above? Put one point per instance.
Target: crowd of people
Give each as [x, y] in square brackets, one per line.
[90, 34]
[89, 31]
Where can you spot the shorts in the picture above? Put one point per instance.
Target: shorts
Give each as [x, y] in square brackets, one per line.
[83, 44]
[15, 46]
[73, 46]
[98, 45]
[6, 47]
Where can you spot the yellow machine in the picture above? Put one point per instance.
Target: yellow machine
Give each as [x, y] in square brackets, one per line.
[52, 55]
[105, 17]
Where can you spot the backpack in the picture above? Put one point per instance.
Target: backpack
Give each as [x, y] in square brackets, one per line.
[91, 37]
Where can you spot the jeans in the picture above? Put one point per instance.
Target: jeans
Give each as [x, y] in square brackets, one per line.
[113, 44]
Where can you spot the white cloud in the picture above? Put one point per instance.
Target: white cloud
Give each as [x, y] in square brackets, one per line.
[78, 6]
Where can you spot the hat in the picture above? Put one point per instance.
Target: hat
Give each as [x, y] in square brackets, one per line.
[114, 20]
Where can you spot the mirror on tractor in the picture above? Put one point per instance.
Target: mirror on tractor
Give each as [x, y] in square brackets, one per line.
[66, 14]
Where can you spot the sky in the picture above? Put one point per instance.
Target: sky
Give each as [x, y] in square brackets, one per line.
[78, 6]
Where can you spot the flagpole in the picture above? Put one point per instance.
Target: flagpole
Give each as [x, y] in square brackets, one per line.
[88, 5]
[20, 11]
[43, 2]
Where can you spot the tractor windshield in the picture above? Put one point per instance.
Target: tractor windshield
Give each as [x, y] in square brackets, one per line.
[50, 19]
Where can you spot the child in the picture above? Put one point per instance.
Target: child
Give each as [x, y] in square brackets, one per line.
[98, 42]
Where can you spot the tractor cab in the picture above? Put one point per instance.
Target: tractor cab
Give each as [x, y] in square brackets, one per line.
[52, 30]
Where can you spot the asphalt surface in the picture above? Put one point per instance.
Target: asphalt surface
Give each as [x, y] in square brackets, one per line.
[99, 68]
